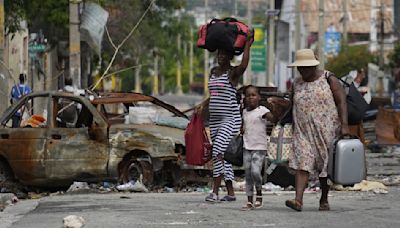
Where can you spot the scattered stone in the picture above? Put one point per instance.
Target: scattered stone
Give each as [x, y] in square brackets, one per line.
[7, 199]
[73, 221]
[78, 187]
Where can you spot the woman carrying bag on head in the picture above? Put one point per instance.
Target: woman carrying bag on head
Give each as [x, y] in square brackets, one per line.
[225, 119]
[319, 116]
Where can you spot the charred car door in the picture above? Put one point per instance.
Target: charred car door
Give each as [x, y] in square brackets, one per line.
[24, 146]
[77, 142]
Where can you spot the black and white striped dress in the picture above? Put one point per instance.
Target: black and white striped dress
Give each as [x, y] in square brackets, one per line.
[225, 121]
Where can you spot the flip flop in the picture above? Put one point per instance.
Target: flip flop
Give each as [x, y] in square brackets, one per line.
[212, 197]
[228, 198]
[294, 204]
[248, 206]
[324, 206]
[258, 203]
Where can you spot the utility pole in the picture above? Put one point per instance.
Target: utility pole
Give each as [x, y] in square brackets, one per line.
[248, 74]
[382, 33]
[297, 34]
[74, 43]
[191, 60]
[321, 33]
[138, 81]
[382, 51]
[178, 67]
[3, 77]
[373, 33]
[206, 53]
[236, 7]
[345, 19]
[155, 79]
[271, 43]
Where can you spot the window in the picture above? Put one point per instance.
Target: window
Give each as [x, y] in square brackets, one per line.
[31, 113]
[72, 114]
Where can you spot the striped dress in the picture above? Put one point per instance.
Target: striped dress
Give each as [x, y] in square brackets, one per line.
[225, 121]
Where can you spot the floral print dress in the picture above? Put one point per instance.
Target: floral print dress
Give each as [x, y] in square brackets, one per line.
[316, 125]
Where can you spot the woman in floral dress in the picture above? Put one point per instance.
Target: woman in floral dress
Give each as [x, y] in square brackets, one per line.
[319, 116]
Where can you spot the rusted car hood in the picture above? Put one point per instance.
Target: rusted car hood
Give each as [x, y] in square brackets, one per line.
[174, 134]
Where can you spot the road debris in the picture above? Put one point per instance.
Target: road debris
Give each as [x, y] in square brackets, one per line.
[133, 186]
[7, 199]
[73, 221]
[364, 186]
[78, 187]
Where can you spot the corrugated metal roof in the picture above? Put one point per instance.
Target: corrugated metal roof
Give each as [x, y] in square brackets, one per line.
[359, 16]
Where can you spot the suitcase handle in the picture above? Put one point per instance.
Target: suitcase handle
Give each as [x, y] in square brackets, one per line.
[348, 136]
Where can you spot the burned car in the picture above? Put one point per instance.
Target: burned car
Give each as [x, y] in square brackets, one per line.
[96, 140]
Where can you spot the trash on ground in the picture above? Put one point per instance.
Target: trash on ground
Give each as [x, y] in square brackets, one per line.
[239, 185]
[34, 195]
[7, 199]
[78, 186]
[271, 187]
[168, 190]
[364, 186]
[73, 221]
[134, 186]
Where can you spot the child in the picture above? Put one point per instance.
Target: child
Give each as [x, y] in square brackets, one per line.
[254, 143]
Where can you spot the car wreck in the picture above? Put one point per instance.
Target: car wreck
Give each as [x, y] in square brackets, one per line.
[98, 143]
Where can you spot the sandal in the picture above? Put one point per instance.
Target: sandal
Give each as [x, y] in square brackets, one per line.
[294, 204]
[228, 198]
[324, 206]
[259, 202]
[248, 206]
[212, 197]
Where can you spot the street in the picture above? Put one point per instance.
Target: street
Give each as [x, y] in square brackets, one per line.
[348, 209]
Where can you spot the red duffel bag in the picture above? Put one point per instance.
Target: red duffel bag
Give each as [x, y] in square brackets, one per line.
[228, 34]
[198, 146]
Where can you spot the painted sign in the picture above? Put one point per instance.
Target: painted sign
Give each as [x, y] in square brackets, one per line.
[258, 50]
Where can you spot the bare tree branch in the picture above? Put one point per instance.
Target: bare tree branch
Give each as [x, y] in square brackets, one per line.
[110, 39]
[122, 43]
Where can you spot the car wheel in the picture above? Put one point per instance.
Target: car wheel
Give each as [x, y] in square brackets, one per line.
[5, 172]
[137, 168]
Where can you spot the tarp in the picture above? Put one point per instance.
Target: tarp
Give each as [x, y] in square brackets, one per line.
[94, 18]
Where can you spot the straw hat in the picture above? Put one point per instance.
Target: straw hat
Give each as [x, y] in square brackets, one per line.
[304, 58]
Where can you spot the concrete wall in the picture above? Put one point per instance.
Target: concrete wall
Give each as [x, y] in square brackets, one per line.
[16, 60]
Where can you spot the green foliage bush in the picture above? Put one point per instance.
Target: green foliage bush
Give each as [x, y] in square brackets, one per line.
[394, 57]
[350, 58]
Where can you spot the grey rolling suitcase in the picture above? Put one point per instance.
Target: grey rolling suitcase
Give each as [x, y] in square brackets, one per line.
[346, 163]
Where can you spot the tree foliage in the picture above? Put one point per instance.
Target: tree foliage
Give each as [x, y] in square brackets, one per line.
[49, 16]
[394, 57]
[158, 31]
[350, 58]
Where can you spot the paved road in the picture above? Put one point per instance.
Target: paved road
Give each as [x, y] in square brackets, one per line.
[349, 209]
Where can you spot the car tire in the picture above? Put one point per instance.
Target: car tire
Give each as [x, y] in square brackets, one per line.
[136, 168]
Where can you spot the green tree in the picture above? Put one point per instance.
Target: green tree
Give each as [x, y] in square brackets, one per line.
[158, 30]
[394, 57]
[47, 15]
[350, 58]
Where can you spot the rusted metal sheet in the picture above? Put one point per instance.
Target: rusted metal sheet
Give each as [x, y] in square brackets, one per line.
[124, 141]
[112, 98]
[24, 149]
[386, 126]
